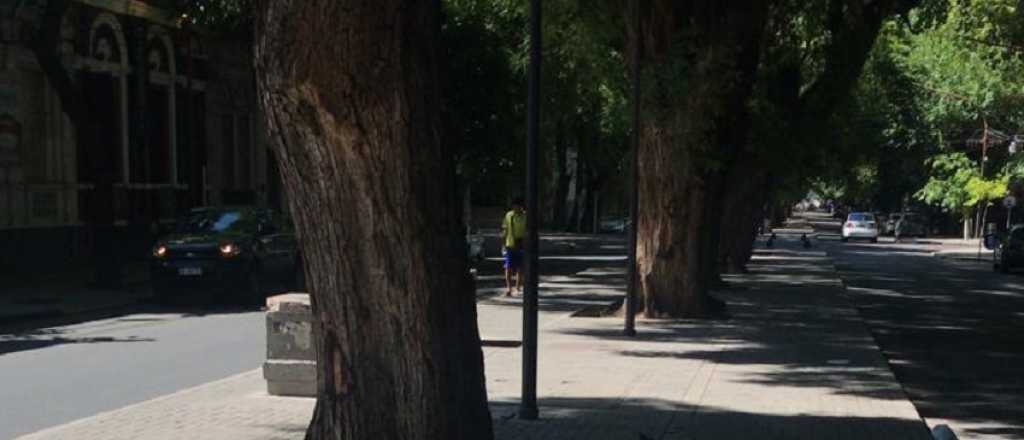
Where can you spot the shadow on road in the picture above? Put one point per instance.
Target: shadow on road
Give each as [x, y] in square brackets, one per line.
[51, 337]
[951, 330]
[47, 333]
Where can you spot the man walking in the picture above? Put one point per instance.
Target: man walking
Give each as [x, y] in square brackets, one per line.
[513, 231]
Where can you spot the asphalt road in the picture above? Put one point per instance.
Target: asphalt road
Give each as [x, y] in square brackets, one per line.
[953, 332]
[55, 375]
[59, 374]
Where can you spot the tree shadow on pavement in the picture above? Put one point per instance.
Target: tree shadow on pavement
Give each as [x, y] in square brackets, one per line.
[655, 419]
[51, 337]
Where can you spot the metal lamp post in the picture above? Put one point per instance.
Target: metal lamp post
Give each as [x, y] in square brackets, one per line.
[634, 205]
[528, 403]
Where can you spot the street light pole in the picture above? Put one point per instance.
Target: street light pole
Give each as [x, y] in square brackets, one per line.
[634, 205]
[528, 403]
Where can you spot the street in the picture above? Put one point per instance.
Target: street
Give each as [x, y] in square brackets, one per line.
[951, 330]
[55, 375]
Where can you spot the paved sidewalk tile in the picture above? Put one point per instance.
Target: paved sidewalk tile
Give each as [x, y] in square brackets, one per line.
[794, 362]
[235, 408]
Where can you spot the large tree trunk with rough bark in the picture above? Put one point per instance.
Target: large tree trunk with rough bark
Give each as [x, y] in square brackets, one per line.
[701, 57]
[349, 90]
[740, 214]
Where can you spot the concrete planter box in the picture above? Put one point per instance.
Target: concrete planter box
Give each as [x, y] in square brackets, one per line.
[290, 368]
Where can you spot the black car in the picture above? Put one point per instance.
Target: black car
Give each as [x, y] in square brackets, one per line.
[242, 253]
[1008, 251]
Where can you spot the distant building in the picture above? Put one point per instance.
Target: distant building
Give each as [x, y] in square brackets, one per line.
[177, 114]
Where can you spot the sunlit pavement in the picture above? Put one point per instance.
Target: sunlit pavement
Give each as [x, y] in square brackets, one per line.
[952, 331]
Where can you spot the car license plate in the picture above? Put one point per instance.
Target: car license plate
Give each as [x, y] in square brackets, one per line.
[190, 271]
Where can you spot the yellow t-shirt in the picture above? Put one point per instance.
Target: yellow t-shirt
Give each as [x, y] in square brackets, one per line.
[514, 226]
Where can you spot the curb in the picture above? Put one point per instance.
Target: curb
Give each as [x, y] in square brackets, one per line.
[963, 256]
[845, 292]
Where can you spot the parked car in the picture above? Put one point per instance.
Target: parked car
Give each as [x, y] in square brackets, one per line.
[1008, 251]
[882, 219]
[910, 224]
[860, 225]
[242, 253]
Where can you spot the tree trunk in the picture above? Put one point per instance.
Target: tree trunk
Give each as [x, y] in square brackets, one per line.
[691, 129]
[740, 215]
[349, 90]
[982, 228]
[561, 178]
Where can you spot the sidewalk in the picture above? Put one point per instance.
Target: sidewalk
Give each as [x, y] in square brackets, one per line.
[64, 293]
[794, 362]
[960, 249]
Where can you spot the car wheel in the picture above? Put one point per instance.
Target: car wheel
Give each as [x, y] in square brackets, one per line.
[874, 240]
[845, 239]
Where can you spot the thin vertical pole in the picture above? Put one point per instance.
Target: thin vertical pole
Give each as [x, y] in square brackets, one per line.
[528, 405]
[980, 229]
[634, 203]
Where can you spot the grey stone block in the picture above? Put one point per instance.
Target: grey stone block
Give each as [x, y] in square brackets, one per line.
[289, 303]
[290, 377]
[290, 336]
[292, 389]
[290, 369]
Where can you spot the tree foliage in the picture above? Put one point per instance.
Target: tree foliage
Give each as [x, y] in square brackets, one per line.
[934, 80]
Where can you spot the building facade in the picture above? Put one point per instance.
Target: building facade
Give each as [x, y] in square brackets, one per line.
[174, 122]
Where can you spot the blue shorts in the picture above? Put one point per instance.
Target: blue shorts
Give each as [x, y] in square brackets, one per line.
[513, 258]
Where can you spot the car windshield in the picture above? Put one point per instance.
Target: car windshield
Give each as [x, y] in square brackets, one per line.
[862, 218]
[218, 221]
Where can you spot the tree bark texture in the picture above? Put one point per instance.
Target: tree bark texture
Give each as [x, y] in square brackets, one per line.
[700, 58]
[349, 91]
[558, 179]
[741, 211]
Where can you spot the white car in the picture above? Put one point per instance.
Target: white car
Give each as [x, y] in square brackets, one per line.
[860, 225]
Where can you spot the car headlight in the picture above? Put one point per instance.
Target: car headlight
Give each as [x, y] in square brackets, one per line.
[160, 251]
[229, 249]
